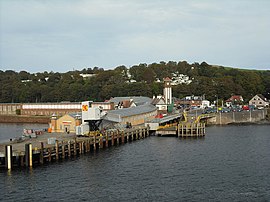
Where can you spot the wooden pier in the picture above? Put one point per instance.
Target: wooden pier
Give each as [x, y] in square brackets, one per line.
[185, 129]
[27, 155]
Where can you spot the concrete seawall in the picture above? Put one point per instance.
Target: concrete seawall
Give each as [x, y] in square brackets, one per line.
[23, 119]
[238, 117]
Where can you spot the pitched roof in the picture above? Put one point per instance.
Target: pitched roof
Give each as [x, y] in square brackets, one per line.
[235, 98]
[167, 79]
[262, 97]
[156, 101]
[133, 110]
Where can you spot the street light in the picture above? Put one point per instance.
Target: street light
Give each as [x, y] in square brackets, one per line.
[217, 102]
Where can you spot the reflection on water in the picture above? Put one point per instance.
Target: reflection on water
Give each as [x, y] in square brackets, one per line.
[230, 164]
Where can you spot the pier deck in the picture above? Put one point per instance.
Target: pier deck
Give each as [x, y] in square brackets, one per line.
[36, 151]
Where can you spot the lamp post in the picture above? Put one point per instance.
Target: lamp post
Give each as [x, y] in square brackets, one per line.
[217, 103]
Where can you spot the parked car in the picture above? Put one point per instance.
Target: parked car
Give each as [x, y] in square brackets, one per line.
[245, 107]
[225, 110]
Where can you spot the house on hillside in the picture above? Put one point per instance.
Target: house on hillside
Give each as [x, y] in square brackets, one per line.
[194, 101]
[259, 101]
[159, 102]
[234, 100]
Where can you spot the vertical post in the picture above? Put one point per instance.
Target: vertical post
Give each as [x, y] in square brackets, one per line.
[112, 136]
[27, 155]
[75, 147]
[182, 127]
[56, 150]
[89, 145]
[63, 150]
[107, 139]
[8, 156]
[233, 116]
[117, 139]
[82, 147]
[101, 142]
[49, 154]
[41, 154]
[21, 159]
[69, 148]
[123, 137]
[94, 146]
[250, 118]
[197, 130]
[219, 118]
[30, 155]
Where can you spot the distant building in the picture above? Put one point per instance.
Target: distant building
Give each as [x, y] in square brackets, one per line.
[126, 102]
[134, 115]
[159, 102]
[10, 108]
[259, 101]
[194, 101]
[66, 123]
[85, 76]
[167, 91]
[47, 109]
[234, 100]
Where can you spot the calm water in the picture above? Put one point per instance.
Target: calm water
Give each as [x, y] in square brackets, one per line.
[231, 163]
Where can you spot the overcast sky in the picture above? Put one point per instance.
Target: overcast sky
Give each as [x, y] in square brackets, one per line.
[62, 35]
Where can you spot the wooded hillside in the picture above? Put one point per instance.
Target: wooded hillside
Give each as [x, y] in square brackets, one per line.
[137, 80]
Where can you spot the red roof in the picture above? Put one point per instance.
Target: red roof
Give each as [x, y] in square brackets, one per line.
[167, 79]
[235, 98]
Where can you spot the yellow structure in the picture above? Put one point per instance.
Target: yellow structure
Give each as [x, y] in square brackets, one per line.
[66, 123]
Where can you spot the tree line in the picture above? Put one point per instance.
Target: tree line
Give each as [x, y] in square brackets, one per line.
[207, 80]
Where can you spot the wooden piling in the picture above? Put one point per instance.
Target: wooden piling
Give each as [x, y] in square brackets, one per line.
[100, 142]
[63, 150]
[56, 150]
[94, 146]
[112, 138]
[75, 147]
[107, 139]
[117, 139]
[122, 137]
[8, 156]
[69, 148]
[49, 154]
[41, 154]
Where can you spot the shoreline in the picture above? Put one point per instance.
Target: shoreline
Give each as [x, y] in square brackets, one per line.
[24, 119]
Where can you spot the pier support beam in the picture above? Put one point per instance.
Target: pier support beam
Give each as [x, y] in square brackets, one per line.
[41, 156]
[8, 156]
[28, 155]
[56, 150]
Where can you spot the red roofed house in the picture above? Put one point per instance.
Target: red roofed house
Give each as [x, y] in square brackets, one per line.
[234, 100]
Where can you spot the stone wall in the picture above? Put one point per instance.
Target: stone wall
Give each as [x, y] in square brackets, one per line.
[238, 117]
